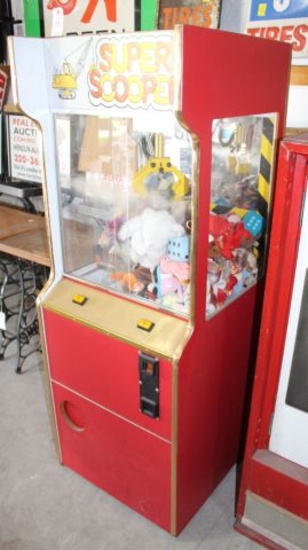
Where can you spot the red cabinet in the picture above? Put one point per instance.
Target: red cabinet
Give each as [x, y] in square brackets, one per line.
[102, 433]
[115, 454]
[273, 499]
[160, 156]
[91, 365]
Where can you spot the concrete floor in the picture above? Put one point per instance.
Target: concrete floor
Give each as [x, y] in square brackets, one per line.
[45, 506]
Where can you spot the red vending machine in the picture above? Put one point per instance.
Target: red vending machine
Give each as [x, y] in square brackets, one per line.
[273, 499]
[159, 153]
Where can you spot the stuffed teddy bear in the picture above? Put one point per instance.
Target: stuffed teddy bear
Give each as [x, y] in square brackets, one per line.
[147, 236]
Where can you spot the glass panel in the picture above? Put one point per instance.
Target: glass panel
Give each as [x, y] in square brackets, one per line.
[242, 161]
[126, 205]
[297, 394]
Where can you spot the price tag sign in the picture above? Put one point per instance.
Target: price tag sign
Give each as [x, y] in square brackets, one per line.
[57, 22]
[25, 148]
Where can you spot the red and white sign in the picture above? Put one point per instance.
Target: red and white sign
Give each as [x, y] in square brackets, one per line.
[283, 20]
[3, 87]
[71, 17]
[25, 149]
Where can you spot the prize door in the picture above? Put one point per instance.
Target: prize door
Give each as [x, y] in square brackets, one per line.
[289, 434]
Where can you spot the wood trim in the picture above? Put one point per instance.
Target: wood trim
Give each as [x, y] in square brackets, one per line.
[294, 131]
[10, 108]
[299, 75]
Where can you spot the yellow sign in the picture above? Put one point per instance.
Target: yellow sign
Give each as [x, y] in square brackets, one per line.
[133, 72]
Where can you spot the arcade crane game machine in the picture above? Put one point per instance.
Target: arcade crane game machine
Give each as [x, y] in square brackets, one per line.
[272, 506]
[158, 183]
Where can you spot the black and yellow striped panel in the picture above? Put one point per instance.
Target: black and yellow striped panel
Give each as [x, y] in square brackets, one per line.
[266, 160]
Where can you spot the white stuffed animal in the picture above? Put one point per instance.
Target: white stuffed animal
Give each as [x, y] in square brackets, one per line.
[147, 236]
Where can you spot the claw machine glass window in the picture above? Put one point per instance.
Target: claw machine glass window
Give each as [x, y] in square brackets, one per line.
[241, 181]
[126, 193]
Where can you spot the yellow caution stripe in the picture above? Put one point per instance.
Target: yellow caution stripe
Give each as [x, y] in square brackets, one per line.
[266, 160]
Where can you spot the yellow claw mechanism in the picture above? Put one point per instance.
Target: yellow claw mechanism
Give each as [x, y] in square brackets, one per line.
[159, 174]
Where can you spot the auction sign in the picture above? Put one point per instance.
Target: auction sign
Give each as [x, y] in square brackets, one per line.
[283, 20]
[24, 148]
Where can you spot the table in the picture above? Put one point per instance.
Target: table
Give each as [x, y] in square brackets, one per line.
[24, 235]
[24, 262]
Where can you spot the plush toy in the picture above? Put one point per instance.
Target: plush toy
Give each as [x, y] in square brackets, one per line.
[171, 279]
[167, 285]
[220, 287]
[144, 278]
[147, 235]
[227, 234]
[178, 249]
[180, 270]
[127, 280]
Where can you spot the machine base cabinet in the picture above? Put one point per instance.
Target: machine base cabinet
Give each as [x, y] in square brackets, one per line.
[102, 434]
[126, 461]
[161, 467]
[105, 371]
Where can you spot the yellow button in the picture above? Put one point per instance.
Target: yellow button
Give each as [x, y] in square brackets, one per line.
[79, 299]
[145, 324]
